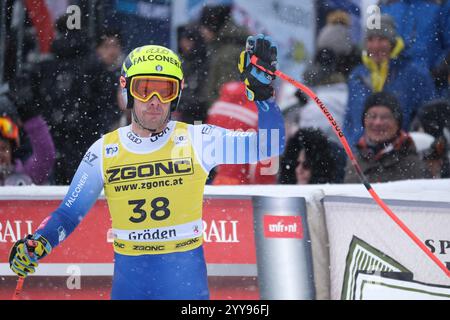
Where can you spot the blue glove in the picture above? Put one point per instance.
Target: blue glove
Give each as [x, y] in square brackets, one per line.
[258, 83]
[24, 255]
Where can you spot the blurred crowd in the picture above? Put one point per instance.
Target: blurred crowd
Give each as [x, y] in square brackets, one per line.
[389, 93]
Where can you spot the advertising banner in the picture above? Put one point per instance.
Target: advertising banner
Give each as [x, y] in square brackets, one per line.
[82, 266]
[363, 238]
[283, 249]
[228, 237]
[377, 287]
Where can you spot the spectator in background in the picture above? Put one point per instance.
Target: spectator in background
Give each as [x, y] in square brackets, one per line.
[424, 26]
[192, 50]
[441, 75]
[435, 117]
[336, 35]
[385, 152]
[327, 75]
[309, 159]
[100, 87]
[40, 16]
[435, 120]
[437, 158]
[384, 69]
[234, 111]
[223, 40]
[58, 85]
[35, 166]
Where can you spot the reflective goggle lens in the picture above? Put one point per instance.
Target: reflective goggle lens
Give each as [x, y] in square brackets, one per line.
[144, 88]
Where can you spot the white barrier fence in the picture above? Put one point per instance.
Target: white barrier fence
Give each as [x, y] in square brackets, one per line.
[358, 252]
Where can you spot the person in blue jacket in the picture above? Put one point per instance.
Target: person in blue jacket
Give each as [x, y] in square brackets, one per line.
[427, 40]
[385, 69]
[423, 26]
[423, 37]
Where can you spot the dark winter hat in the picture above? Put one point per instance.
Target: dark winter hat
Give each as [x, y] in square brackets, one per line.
[386, 30]
[384, 99]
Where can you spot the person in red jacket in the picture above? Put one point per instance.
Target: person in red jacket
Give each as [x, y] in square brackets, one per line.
[232, 110]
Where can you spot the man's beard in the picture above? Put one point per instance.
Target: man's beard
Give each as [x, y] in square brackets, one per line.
[154, 129]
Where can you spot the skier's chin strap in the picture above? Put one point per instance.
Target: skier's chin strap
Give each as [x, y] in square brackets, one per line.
[152, 131]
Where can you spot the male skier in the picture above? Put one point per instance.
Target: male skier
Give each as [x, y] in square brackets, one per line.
[153, 174]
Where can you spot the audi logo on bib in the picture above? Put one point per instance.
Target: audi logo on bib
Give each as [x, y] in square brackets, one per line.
[134, 138]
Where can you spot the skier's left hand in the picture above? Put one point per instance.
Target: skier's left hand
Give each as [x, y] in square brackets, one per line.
[258, 83]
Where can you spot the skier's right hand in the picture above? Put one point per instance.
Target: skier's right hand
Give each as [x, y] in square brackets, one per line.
[258, 84]
[25, 253]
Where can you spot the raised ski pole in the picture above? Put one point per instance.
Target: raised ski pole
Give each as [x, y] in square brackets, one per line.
[270, 70]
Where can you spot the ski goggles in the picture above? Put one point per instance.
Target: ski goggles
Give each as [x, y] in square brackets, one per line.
[144, 88]
[9, 129]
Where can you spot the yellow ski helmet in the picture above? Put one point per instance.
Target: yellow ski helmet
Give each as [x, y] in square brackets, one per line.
[151, 60]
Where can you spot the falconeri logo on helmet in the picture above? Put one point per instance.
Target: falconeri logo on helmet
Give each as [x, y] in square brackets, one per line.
[157, 57]
[159, 68]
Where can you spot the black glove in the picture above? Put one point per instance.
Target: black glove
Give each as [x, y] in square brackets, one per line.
[24, 255]
[258, 83]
